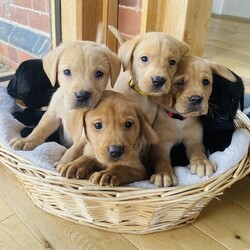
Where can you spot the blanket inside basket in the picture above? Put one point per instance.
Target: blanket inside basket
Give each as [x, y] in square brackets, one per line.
[46, 154]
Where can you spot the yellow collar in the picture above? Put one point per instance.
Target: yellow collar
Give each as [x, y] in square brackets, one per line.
[136, 88]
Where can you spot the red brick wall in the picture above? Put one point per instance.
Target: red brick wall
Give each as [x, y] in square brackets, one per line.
[30, 15]
[34, 15]
[129, 17]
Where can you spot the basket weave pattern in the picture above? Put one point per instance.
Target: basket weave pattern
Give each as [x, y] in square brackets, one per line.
[122, 209]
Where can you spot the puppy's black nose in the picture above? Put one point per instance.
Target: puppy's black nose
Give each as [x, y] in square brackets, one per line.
[195, 99]
[82, 96]
[115, 151]
[158, 81]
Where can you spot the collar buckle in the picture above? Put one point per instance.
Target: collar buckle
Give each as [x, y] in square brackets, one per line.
[175, 115]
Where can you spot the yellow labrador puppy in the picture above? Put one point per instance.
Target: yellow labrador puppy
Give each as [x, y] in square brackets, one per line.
[118, 134]
[149, 63]
[178, 120]
[83, 69]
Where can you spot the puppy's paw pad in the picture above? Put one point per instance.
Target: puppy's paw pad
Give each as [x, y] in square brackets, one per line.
[203, 167]
[164, 179]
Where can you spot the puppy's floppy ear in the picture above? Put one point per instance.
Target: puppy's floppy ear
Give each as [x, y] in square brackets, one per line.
[126, 50]
[114, 67]
[50, 64]
[183, 48]
[146, 129]
[76, 123]
[222, 71]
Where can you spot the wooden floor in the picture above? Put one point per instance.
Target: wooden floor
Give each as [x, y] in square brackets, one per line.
[223, 224]
[228, 43]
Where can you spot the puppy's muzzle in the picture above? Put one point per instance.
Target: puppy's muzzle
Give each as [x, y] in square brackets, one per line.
[195, 100]
[83, 96]
[158, 81]
[115, 152]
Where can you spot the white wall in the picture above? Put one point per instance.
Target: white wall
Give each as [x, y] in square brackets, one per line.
[239, 8]
[217, 6]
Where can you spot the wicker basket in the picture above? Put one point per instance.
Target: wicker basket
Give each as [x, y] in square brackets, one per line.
[122, 209]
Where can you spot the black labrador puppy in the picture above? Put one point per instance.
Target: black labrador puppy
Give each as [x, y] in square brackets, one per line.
[218, 124]
[32, 86]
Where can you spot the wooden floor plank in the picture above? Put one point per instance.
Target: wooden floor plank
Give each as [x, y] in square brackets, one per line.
[240, 193]
[5, 210]
[227, 222]
[187, 237]
[15, 235]
[54, 231]
[221, 56]
[228, 43]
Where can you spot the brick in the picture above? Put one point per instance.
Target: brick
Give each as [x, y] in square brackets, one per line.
[23, 3]
[10, 63]
[21, 16]
[23, 38]
[3, 49]
[12, 54]
[5, 30]
[4, 9]
[40, 5]
[42, 47]
[131, 3]
[10, 14]
[22, 56]
[39, 21]
[4, 55]
[129, 21]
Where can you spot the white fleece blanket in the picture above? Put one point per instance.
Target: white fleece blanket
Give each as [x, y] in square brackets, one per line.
[46, 154]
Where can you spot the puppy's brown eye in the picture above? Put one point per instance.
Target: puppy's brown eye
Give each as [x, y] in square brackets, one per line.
[180, 83]
[144, 59]
[98, 125]
[172, 62]
[67, 72]
[99, 74]
[128, 125]
[205, 82]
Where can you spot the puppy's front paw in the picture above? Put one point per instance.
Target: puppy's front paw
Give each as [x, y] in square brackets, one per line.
[19, 143]
[72, 170]
[164, 179]
[104, 178]
[202, 167]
